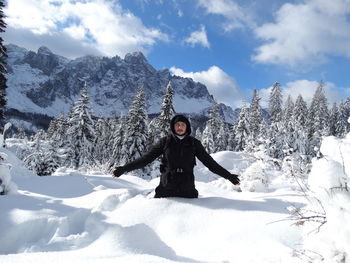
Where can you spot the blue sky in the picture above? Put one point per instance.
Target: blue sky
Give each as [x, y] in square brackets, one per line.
[232, 46]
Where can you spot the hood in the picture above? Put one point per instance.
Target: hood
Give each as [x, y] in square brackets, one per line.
[182, 118]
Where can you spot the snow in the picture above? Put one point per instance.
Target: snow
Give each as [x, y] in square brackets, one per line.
[76, 216]
[329, 181]
[25, 80]
[184, 104]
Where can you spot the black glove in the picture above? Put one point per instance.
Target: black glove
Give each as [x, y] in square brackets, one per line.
[118, 171]
[233, 179]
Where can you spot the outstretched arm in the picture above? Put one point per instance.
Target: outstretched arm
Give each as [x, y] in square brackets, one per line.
[142, 161]
[212, 165]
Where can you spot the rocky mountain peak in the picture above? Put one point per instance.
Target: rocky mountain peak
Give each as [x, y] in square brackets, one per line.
[48, 84]
[135, 58]
[44, 51]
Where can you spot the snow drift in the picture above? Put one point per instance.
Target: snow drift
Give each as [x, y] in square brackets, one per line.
[91, 217]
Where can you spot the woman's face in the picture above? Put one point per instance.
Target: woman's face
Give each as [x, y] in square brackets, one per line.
[180, 128]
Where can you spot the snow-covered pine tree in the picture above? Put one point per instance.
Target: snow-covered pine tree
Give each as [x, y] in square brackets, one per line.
[242, 129]
[136, 131]
[333, 119]
[208, 140]
[222, 138]
[59, 135]
[3, 70]
[33, 161]
[254, 121]
[198, 133]
[21, 133]
[301, 143]
[275, 103]
[49, 163]
[300, 113]
[318, 119]
[274, 142]
[231, 140]
[211, 130]
[159, 126]
[52, 128]
[102, 144]
[287, 131]
[118, 131]
[81, 133]
[342, 125]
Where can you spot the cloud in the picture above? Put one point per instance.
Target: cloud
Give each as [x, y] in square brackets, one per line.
[60, 43]
[236, 16]
[223, 87]
[99, 24]
[305, 34]
[305, 88]
[198, 37]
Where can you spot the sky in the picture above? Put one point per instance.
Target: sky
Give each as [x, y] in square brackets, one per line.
[231, 46]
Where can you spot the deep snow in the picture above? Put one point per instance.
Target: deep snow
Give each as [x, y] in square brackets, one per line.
[91, 217]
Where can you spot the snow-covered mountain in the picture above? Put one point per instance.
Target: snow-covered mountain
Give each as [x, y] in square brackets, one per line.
[43, 84]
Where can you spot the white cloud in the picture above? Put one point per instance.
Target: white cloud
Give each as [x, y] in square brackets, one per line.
[62, 43]
[236, 16]
[305, 33]
[100, 24]
[198, 37]
[76, 32]
[223, 87]
[305, 88]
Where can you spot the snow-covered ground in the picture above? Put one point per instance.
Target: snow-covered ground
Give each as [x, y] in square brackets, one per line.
[92, 217]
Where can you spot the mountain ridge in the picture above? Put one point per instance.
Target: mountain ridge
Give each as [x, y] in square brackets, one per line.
[45, 83]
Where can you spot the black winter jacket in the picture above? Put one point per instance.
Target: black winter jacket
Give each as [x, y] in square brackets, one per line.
[178, 161]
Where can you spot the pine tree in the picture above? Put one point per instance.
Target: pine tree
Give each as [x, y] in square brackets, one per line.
[136, 131]
[318, 119]
[102, 144]
[81, 133]
[333, 119]
[211, 130]
[117, 155]
[59, 130]
[300, 112]
[231, 141]
[299, 126]
[255, 114]
[159, 127]
[242, 129]
[198, 134]
[287, 131]
[3, 70]
[222, 138]
[342, 125]
[52, 128]
[275, 103]
[254, 120]
[301, 156]
[21, 133]
[49, 162]
[34, 160]
[274, 141]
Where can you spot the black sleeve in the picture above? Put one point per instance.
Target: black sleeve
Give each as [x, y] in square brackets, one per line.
[209, 162]
[147, 158]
